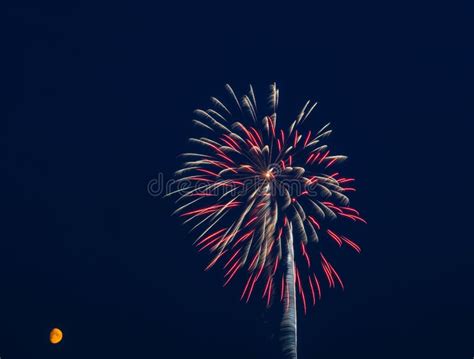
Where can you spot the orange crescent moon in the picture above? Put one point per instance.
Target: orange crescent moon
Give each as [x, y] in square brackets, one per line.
[55, 336]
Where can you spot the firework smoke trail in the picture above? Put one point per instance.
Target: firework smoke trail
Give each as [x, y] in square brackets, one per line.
[288, 327]
[263, 198]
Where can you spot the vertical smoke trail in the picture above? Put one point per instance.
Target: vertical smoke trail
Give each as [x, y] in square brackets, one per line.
[288, 323]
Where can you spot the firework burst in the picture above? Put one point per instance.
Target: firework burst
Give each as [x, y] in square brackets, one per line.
[263, 198]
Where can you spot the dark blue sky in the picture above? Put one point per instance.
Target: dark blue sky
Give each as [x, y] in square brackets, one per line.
[98, 101]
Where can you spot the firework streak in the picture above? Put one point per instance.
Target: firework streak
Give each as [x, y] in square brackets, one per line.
[263, 199]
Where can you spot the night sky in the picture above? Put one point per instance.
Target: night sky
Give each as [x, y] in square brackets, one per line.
[98, 101]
